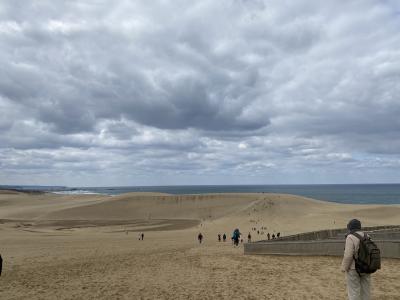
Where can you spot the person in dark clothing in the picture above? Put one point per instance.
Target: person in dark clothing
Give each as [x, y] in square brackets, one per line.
[224, 237]
[249, 238]
[236, 236]
[142, 235]
[273, 236]
[200, 237]
[278, 235]
[1, 264]
[268, 236]
[219, 237]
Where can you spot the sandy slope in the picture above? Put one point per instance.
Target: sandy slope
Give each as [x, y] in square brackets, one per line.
[86, 247]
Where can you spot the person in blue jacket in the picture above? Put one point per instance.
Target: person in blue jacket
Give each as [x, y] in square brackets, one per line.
[236, 236]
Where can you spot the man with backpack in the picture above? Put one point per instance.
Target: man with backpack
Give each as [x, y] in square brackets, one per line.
[361, 258]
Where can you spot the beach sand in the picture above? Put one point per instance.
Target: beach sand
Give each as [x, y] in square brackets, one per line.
[87, 247]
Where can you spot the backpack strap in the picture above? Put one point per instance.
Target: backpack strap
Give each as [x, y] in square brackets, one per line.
[361, 238]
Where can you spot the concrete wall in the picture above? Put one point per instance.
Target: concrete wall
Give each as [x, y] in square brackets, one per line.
[389, 248]
[385, 235]
[388, 235]
[338, 233]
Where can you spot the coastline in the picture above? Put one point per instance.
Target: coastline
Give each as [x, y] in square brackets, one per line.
[387, 193]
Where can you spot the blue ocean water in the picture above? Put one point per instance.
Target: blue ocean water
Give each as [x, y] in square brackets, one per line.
[341, 193]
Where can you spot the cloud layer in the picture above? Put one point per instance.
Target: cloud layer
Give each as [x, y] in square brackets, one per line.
[234, 91]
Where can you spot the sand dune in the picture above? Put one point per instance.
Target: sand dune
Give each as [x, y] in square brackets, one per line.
[19, 205]
[276, 212]
[84, 247]
[132, 206]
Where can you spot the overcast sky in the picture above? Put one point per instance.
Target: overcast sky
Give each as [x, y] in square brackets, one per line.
[104, 93]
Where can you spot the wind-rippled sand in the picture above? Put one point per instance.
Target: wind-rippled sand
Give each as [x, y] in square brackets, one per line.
[87, 247]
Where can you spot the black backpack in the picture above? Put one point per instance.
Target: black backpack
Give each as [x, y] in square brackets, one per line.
[369, 255]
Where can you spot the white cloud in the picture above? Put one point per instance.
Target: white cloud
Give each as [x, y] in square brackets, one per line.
[242, 146]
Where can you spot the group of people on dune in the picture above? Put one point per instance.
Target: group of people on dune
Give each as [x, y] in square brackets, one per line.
[237, 236]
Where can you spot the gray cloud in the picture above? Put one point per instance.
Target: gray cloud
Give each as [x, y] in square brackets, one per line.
[221, 92]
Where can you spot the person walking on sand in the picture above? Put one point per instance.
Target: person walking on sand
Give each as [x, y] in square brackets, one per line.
[142, 235]
[200, 238]
[268, 236]
[219, 237]
[358, 285]
[236, 236]
[249, 238]
[224, 237]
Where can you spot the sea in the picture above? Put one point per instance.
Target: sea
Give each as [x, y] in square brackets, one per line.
[341, 193]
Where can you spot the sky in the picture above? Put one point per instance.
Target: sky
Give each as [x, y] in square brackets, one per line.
[115, 93]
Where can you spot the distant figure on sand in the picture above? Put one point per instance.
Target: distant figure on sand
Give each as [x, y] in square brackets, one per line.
[142, 235]
[268, 236]
[200, 237]
[235, 237]
[219, 237]
[1, 264]
[273, 236]
[358, 285]
[278, 235]
[224, 237]
[249, 238]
